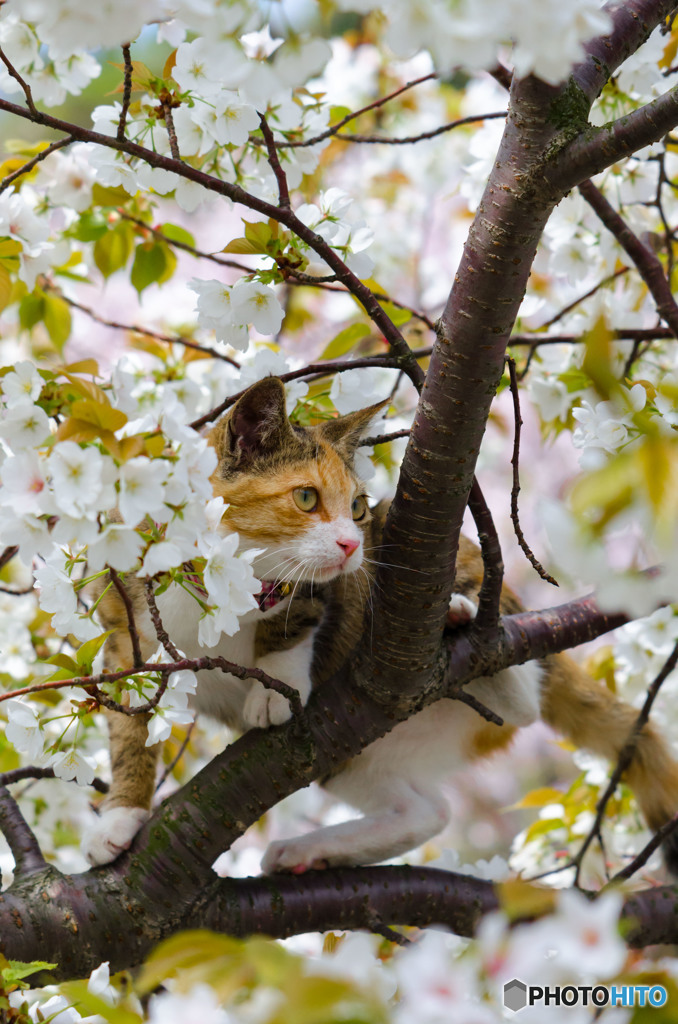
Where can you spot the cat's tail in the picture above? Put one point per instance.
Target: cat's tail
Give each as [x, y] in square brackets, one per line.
[588, 714]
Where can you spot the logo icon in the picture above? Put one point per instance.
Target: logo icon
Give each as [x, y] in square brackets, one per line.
[515, 995]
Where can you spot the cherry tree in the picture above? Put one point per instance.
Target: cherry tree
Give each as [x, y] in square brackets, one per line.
[446, 205]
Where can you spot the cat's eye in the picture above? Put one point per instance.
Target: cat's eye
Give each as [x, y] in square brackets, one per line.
[359, 507]
[305, 498]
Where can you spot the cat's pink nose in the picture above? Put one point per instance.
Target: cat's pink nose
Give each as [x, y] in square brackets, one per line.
[348, 546]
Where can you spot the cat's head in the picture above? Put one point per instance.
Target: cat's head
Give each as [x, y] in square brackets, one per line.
[292, 490]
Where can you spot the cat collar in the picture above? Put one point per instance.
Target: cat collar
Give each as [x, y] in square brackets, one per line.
[268, 597]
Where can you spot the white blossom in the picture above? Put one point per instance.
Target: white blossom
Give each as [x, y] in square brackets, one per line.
[23, 728]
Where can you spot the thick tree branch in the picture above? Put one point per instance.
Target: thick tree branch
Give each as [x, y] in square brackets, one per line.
[597, 148]
[632, 23]
[24, 846]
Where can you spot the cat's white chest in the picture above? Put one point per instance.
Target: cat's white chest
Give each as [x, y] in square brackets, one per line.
[219, 695]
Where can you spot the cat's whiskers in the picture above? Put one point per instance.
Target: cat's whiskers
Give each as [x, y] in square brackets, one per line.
[301, 565]
[393, 565]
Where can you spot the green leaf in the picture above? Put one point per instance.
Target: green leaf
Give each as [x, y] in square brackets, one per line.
[18, 970]
[150, 264]
[345, 340]
[90, 227]
[57, 318]
[175, 233]
[113, 249]
[31, 309]
[64, 661]
[259, 233]
[88, 651]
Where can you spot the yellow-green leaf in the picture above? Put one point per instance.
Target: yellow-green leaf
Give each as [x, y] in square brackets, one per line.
[100, 413]
[113, 249]
[241, 245]
[539, 798]
[520, 899]
[5, 287]
[345, 340]
[88, 651]
[57, 320]
[597, 364]
[105, 196]
[89, 366]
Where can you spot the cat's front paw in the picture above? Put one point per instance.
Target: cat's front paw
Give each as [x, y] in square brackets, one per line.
[294, 856]
[461, 610]
[112, 833]
[264, 708]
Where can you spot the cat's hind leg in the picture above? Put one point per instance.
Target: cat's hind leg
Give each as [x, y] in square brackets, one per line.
[133, 764]
[401, 816]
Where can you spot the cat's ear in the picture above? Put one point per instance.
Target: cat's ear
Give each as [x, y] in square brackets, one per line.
[346, 432]
[256, 425]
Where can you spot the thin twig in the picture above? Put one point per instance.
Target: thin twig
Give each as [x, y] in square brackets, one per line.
[33, 772]
[160, 631]
[23, 845]
[639, 861]
[127, 91]
[22, 82]
[459, 693]
[316, 370]
[131, 624]
[646, 261]
[175, 760]
[333, 129]
[274, 162]
[171, 130]
[515, 490]
[198, 253]
[30, 164]
[368, 442]
[17, 593]
[236, 193]
[376, 925]
[582, 298]
[493, 565]
[91, 683]
[388, 140]
[625, 756]
[171, 339]
[8, 554]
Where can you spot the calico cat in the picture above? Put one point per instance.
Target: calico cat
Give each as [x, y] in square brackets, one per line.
[294, 492]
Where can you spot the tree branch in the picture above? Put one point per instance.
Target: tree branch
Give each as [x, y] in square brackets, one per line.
[274, 162]
[238, 195]
[647, 263]
[597, 148]
[127, 91]
[34, 161]
[515, 490]
[24, 846]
